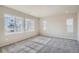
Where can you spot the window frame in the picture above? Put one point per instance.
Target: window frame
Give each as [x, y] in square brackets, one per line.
[69, 24]
[29, 25]
[6, 26]
[44, 23]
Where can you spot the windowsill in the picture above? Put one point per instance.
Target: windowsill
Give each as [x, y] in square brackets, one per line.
[13, 33]
[29, 31]
[17, 33]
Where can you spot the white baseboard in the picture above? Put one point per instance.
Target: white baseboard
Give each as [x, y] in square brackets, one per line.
[61, 36]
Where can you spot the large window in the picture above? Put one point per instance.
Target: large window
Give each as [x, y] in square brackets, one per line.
[44, 25]
[29, 25]
[69, 24]
[13, 24]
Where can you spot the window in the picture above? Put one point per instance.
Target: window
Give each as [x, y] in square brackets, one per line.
[44, 25]
[13, 24]
[70, 24]
[29, 25]
[19, 24]
[9, 24]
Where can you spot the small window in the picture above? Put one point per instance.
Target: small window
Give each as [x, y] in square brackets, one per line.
[70, 24]
[44, 25]
[29, 25]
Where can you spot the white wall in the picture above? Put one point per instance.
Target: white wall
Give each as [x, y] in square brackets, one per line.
[1, 26]
[78, 28]
[56, 26]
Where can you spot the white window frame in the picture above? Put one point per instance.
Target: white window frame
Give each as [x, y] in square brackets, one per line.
[19, 22]
[15, 19]
[69, 24]
[44, 22]
[29, 25]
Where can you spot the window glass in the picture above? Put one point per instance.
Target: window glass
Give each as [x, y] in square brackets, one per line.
[44, 25]
[9, 23]
[19, 24]
[70, 24]
[29, 25]
[13, 24]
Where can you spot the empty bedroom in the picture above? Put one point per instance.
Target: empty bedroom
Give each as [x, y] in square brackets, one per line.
[39, 28]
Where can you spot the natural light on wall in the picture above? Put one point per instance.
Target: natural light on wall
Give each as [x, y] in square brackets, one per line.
[69, 24]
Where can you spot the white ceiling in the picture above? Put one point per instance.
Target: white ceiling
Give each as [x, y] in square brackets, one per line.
[45, 10]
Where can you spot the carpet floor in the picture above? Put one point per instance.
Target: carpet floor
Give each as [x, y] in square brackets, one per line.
[41, 44]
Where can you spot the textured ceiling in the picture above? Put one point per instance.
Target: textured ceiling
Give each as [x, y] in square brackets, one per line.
[45, 10]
